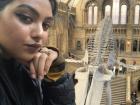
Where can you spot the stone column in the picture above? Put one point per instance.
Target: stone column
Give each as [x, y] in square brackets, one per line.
[99, 11]
[129, 29]
[128, 89]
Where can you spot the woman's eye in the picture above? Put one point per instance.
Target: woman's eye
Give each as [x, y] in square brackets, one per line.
[46, 26]
[24, 18]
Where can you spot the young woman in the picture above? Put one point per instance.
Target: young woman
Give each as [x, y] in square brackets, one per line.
[30, 74]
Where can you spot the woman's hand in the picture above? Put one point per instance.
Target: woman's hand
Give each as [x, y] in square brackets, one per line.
[41, 63]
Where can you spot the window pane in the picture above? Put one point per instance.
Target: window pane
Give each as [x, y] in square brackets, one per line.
[122, 45]
[78, 45]
[90, 15]
[139, 46]
[107, 10]
[117, 42]
[123, 14]
[115, 11]
[135, 44]
[136, 18]
[95, 15]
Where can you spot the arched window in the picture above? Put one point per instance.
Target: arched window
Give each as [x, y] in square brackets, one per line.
[117, 43]
[78, 45]
[135, 45]
[123, 14]
[95, 15]
[107, 10]
[90, 15]
[115, 11]
[136, 18]
[139, 45]
[139, 86]
[122, 45]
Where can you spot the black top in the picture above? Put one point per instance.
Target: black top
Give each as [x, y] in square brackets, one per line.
[17, 88]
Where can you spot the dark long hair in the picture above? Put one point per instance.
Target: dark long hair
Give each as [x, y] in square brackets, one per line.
[54, 6]
[3, 3]
[53, 3]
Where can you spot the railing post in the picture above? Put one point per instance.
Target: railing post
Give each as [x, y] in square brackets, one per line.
[128, 89]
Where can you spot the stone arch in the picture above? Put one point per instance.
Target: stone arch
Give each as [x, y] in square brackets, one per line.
[89, 3]
[136, 2]
[92, 4]
[138, 85]
[106, 2]
[125, 2]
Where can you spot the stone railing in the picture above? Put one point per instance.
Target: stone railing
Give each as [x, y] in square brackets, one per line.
[134, 73]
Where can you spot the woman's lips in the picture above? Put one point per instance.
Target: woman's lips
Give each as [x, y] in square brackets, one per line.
[33, 47]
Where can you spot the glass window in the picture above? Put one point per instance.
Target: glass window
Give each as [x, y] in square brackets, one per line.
[123, 14]
[90, 15]
[117, 42]
[136, 18]
[107, 10]
[78, 45]
[135, 45]
[139, 46]
[139, 86]
[95, 15]
[122, 45]
[115, 11]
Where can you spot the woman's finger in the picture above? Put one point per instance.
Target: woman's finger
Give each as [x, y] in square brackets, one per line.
[47, 65]
[36, 61]
[52, 55]
[42, 62]
[32, 70]
[41, 66]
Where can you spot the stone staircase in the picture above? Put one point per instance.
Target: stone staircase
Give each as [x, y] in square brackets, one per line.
[118, 86]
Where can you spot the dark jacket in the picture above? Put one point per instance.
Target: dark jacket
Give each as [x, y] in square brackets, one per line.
[17, 88]
[60, 92]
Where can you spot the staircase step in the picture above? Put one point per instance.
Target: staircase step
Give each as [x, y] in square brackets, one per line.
[118, 90]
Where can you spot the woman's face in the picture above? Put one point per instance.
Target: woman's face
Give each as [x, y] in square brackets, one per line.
[24, 27]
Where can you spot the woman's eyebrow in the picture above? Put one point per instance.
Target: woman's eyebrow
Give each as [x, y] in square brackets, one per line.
[33, 10]
[29, 7]
[50, 19]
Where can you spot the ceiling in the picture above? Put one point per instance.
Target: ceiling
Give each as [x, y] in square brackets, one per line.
[72, 3]
[62, 1]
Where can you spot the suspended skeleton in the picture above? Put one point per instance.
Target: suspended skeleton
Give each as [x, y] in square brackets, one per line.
[101, 54]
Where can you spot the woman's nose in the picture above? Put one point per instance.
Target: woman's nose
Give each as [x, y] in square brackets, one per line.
[37, 32]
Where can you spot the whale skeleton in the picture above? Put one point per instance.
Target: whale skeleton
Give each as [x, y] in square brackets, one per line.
[100, 54]
[100, 46]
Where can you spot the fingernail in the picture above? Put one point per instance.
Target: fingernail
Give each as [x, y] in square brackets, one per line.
[45, 73]
[33, 76]
[40, 77]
